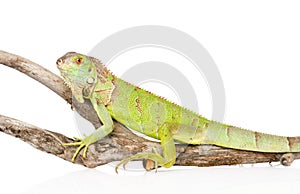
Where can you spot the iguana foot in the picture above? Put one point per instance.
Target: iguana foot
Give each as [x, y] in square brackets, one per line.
[82, 143]
[155, 157]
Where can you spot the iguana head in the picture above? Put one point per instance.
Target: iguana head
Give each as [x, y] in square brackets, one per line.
[79, 73]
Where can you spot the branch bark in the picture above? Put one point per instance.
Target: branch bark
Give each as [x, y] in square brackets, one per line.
[121, 143]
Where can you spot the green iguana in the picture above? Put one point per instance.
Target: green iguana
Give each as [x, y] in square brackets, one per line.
[147, 113]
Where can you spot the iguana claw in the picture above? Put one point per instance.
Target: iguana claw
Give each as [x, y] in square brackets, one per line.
[82, 143]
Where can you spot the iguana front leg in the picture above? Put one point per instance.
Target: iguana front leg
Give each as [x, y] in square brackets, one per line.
[100, 133]
[167, 159]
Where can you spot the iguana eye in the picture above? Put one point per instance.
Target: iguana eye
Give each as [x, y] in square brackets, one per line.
[78, 60]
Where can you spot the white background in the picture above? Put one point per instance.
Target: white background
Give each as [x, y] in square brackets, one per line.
[255, 45]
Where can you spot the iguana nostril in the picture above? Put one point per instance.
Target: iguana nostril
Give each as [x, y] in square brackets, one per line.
[59, 61]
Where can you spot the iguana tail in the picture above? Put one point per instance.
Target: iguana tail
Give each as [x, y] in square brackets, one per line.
[237, 138]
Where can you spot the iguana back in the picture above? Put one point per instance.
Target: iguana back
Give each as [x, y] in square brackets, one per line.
[145, 112]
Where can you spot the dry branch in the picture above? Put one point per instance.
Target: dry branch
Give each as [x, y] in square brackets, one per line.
[121, 143]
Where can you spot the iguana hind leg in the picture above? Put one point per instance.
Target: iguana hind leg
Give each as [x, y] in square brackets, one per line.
[168, 157]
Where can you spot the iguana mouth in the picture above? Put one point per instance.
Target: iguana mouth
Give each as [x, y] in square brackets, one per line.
[63, 72]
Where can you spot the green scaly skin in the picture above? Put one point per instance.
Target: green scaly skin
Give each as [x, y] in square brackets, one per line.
[153, 116]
